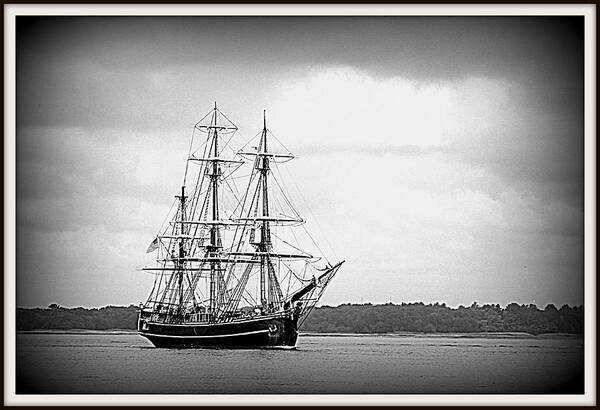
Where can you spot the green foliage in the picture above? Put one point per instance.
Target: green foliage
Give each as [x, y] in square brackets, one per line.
[59, 318]
[437, 318]
[348, 318]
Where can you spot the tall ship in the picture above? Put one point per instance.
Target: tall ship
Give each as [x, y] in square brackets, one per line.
[232, 267]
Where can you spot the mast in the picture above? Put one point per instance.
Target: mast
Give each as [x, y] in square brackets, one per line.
[180, 260]
[265, 242]
[270, 291]
[197, 247]
[214, 230]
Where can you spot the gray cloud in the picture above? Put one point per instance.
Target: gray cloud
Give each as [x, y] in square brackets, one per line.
[102, 100]
[83, 57]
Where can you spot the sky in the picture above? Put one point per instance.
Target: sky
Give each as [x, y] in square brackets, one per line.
[440, 157]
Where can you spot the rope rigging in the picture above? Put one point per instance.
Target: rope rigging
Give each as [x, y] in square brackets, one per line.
[221, 232]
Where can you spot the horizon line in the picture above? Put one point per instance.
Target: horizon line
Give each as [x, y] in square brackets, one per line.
[443, 304]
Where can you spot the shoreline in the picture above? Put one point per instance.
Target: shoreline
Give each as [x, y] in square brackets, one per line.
[474, 335]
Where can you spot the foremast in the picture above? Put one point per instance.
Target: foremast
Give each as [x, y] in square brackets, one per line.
[258, 218]
[272, 298]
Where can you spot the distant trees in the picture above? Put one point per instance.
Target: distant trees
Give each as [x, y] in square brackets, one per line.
[59, 318]
[432, 318]
[349, 318]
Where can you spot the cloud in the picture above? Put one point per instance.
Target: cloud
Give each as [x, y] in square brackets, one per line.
[460, 200]
[347, 107]
[438, 177]
[481, 121]
[89, 266]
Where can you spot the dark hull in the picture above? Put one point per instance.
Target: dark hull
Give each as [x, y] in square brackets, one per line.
[269, 331]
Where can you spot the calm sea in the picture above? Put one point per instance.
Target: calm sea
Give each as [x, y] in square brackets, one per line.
[126, 363]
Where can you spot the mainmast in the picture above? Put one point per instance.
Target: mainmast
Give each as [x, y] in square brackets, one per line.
[213, 172]
[262, 164]
[198, 219]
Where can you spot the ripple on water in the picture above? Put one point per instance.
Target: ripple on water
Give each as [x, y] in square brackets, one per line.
[116, 363]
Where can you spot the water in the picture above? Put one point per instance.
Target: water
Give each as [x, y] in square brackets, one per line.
[118, 363]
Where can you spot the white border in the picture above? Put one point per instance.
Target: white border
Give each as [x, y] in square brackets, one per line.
[9, 207]
[300, 9]
[589, 11]
[589, 283]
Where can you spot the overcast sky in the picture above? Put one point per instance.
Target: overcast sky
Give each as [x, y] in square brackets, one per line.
[441, 157]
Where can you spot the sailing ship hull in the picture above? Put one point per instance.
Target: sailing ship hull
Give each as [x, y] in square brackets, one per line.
[267, 331]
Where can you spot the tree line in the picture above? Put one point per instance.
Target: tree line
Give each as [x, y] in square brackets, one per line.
[438, 318]
[347, 318]
[56, 317]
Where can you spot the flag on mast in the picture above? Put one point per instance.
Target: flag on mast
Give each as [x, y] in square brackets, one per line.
[153, 246]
